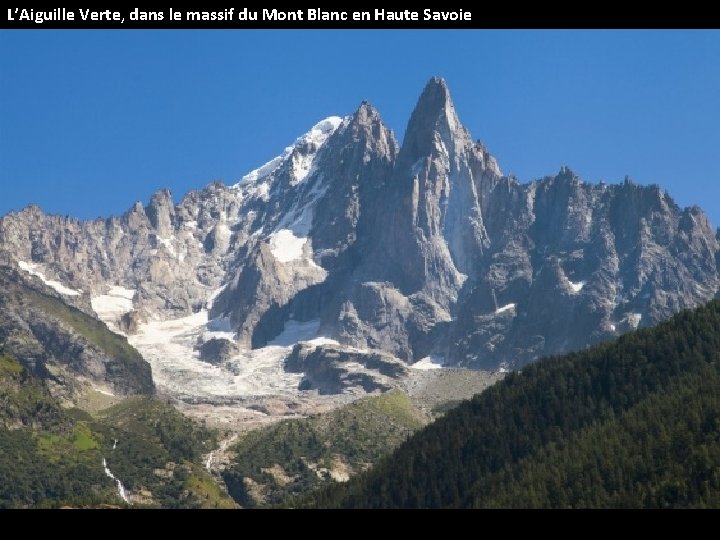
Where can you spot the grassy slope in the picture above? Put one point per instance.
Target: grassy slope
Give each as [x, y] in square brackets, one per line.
[160, 451]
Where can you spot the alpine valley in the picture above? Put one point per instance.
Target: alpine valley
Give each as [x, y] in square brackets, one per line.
[149, 344]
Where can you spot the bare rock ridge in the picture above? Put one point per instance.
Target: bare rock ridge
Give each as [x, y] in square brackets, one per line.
[406, 251]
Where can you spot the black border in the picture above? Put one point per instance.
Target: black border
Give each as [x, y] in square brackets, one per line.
[499, 15]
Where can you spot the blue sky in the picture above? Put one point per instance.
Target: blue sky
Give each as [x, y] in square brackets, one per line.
[91, 121]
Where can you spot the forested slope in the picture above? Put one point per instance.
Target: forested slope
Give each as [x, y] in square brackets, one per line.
[633, 423]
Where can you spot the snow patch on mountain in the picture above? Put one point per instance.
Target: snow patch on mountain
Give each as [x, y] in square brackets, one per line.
[300, 219]
[308, 332]
[634, 320]
[267, 169]
[219, 328]
[286, 247]
[168, 244]
[112, 305]
[429, 362]
[214, 295]
[576, 286]
[302, 162]
[34, 270]
[505, 309]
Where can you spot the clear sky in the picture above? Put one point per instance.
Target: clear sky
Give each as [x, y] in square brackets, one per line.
[92, 121]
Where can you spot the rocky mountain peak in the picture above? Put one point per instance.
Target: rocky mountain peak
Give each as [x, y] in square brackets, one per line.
[433, 123]
[366, 113]
[435, 100]
[367, 120]
[566, 174]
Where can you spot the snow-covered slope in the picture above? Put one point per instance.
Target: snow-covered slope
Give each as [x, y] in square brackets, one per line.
[301, 154]
[171, 349]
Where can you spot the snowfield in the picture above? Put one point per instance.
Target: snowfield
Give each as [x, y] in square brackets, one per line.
[315, 139]
[302, 165]
[169, 346]
[286, 247]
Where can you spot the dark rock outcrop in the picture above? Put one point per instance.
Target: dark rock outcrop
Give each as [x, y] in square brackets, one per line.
[217, 351]
[333, 370]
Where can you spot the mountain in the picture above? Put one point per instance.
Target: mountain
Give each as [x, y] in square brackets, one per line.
[350, 256]
[634, 423]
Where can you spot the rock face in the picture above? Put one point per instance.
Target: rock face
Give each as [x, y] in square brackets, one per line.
[579, 263]
[172, 256]
[409, 250]
[217, 351]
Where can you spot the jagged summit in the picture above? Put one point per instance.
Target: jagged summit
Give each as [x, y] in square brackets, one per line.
[433, 122]
[435, 98]
[366, 114]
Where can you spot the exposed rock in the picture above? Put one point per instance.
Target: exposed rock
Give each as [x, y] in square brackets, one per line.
[332, 370]
[217, 351]
[130, 322]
